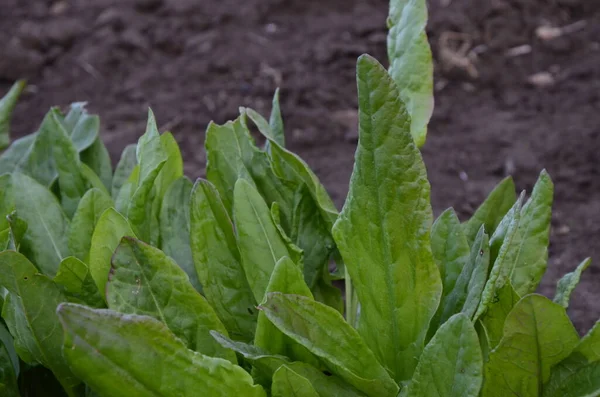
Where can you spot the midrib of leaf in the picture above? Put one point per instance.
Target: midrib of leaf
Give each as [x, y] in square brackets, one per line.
[160, 312]
[538, 355]
[39, 214]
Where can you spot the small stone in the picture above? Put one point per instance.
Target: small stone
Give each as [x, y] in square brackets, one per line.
[541, 79]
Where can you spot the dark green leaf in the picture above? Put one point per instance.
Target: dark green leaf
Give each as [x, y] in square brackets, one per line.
[124, 168]
[97, 158]
[287, 383]
[8, 378]
[74, 276]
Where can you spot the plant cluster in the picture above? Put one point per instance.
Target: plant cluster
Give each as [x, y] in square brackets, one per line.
[139, 282]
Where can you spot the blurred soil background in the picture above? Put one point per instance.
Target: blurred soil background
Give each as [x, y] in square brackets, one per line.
[517, 90]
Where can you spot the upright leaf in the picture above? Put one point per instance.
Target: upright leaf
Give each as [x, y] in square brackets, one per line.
[260, 243]
[29, 312]
[287, 383]
[537, 335]
[324, 332]
[75, 277]
[91, 207]
[480, 262]
[124, 168]
[173, 168]
[143, 280]
[81, 127]
[7, 340]
[45, 242]
[217, 262]
[175, 227]
[276, 121]
[97, 158]
[492, 210]
[15, 156]
[124, 354]
[568, 282]
[8, 377]
[411, 64]
[7, 199]
[109, 231]
[383, 230]
[451, 363]
[7, 105]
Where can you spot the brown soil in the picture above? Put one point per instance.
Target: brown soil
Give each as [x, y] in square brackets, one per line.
[196, 61]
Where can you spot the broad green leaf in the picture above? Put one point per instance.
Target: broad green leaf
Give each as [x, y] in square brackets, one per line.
[451, 363]
[173, 168]
[81, 127]
[324, 332]
[286, 278]
[109, 231]
[452, 255]
[8, 378]
[175, 227]
[492, 210]
[92, 180]
[589, 346]
[124, 168]
[91, 207]
[411, 64]
[585, 382]
[530, 252]
[287, 383]
[149, 150]
[537, 335]
[276, 121]
[325, 385]
[45, 242]
[126, 191]
[493, 319]
[38, 162]
[144, 281]
[383, 230]
[4, 245]
[7, 105]
[97, 158]
[74, 275]
[566, 285]
[141, 212]
[29, 312]
[123, 354]
[260, 243]
[217, 262]
[501, 243]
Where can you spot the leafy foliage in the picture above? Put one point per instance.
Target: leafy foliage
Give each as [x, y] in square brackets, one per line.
[139, 282]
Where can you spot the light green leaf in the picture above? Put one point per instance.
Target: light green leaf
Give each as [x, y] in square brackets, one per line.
[589, 347]
[45, 242]
[492, 210]
[173, 168]
[81, 127]
[149, 150]
[92, 180]
[7, 105]
[451, 363]
[123, 354]
[218, 264]
[537, 335]
[260, 243]
[566, 285]
[411, 64]
[325, 385]
[29, 312]
[501, 243]
[585, 382]
[493, 319]
[143, 280]
[15, 156]
[109, 231]
[74, 275]
[530, 252]
[480, 260]
[287, 383]
[97, 158]
[124, 168]
[383, 230]
[91, 207]
[276, 121]
[126, 191]
[323, 331]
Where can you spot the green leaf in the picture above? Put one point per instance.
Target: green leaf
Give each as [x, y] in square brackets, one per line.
[45, 242]
[13, 158]
[127, 190]
[17, 229]
[92, 180]
[124, 168]
[325, 385]
[585, 382]
[143, 280]
[7, 105]
[411, 64]
[492, 210]
[7, 200]
[109, 231]
[286, 278]
[287, 383]
[173, 168]
[7, 340]
[480, 261]
[324, 332]
[501, 243]
[260, 243]
[29, 312]
[493, 320]
[566, 285]
[91, 207]
[589, 346]
[537, 335]
[276, 121]
[218, 264]
[123, 354]
[74, 275]
[175, 227]
[82, 128]
[97, 158]
[451, 363]
[9, 365]
[383, 230]
[530, 252]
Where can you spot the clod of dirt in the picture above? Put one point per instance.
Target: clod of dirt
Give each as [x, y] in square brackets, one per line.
[541, 79]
